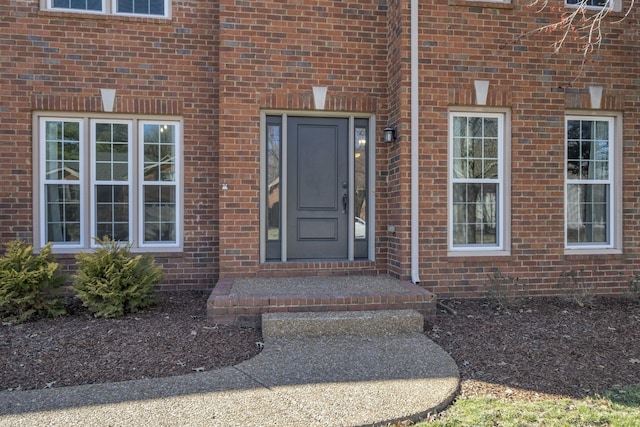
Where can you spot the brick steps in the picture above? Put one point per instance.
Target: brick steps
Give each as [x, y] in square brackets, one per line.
[231, 303]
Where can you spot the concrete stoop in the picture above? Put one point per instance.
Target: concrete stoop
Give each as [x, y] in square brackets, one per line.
[332, 323]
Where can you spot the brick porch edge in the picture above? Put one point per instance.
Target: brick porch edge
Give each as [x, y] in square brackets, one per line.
[224, 308]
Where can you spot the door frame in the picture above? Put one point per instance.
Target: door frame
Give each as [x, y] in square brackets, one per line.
[371, 201]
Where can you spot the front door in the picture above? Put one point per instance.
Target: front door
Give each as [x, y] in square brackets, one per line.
[318, 180]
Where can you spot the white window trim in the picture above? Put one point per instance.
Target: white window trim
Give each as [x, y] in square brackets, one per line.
[40, 149]
[503, 246]
[109, 7]
[177, 183]
[93, 181]
[86, 190]
[615, 174]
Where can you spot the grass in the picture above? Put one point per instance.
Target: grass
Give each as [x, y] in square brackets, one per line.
[616, 408]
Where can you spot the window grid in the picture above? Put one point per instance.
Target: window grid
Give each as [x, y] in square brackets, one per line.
[120, 201]
[62, 186]
[589, 182]
[476, 181]
[111, 175]
[159, 182]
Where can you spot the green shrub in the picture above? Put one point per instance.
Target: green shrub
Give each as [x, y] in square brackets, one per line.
[29, 283]
[110, 282]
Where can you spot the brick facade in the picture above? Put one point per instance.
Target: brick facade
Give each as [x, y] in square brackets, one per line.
[218, 64]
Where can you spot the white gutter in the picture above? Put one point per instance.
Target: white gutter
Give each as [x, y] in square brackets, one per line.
[415, 259]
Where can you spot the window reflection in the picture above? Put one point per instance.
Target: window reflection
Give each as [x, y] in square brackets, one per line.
[273, 181]
[588, 182]
[360, 184]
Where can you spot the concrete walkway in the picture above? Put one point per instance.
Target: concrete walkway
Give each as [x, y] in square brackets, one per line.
[299, 379]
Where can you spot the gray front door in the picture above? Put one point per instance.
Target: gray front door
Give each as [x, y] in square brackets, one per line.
[318, 180]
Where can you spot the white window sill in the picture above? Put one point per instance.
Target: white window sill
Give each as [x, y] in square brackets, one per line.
[593, 251]
[479, 253]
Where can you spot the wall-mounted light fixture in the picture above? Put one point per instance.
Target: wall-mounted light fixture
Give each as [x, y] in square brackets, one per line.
[390, 134]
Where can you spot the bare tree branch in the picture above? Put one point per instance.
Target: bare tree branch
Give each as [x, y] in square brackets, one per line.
[579, 23]
[582, 24]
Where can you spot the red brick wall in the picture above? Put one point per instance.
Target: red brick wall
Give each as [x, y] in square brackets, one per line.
[272, 53]
[56, 61]
[464, 41]
[218, 64]
[397, 167]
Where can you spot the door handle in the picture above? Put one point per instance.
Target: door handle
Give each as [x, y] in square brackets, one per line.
[345, 201]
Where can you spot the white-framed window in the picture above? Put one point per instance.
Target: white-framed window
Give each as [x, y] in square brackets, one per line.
[613, 5]
[591, 190]
[104, 176]
[152, 8]
[478, 182]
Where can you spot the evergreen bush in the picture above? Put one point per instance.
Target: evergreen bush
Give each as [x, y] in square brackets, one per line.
[29, 283]
[111, 282]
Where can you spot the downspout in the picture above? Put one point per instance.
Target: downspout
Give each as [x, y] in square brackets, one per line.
[415, 259]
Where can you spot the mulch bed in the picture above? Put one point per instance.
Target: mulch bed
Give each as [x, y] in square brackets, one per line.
[542, 348]
[172, 338]
[538, 349]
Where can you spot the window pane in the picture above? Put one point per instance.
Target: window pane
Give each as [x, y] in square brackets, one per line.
[103, 152]
[360, 184]
[103, 132]
[120, 172]
[112, 212]
[159, 213]
[112, 151]
[78, 4]
[587, 213]
[490, 164]
[460, 127]
[490, 127]
[475, 214]
[62, 152]
[273, 181]
[594, 3]
[587, 150]
[475, 126]
[62, 213]
[125, 6]
[143, 7]
[103, 172]
[476, 156]
[159, 152]
[573, 160]
[573, 129]
[53, 131]
[120, 132]
[156, 7]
